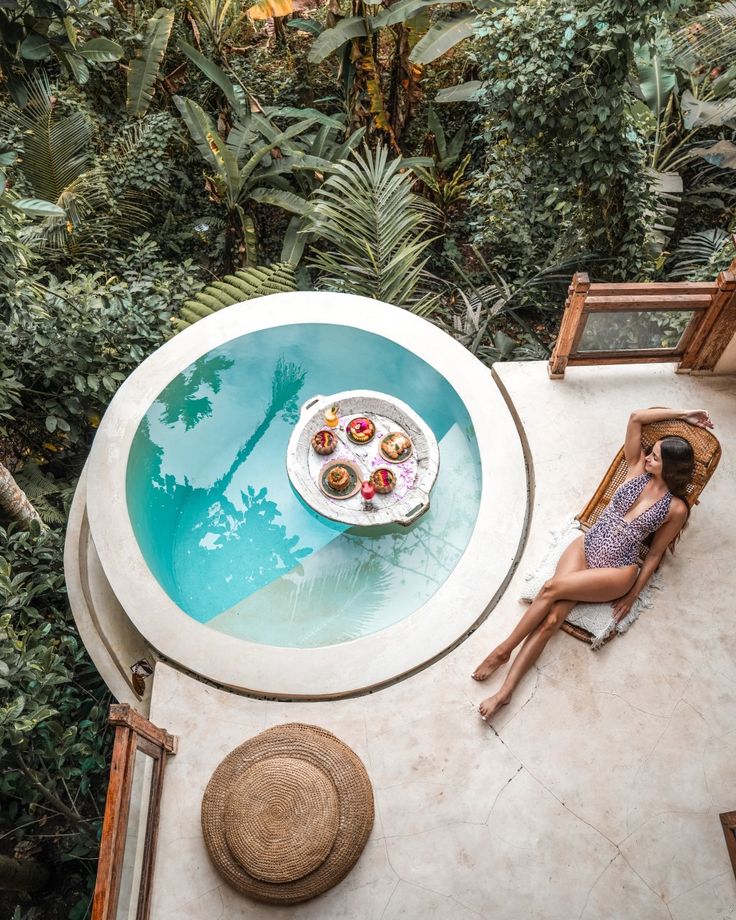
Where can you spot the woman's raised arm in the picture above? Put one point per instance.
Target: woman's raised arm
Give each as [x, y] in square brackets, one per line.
[632, 443]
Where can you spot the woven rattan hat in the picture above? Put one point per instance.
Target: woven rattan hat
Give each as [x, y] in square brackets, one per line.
[286, 815]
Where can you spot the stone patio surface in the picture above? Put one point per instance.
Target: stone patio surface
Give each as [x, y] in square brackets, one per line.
[595, 794]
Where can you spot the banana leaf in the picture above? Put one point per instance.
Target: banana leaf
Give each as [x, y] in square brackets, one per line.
[657, 78]
[306, 25]
[442, 37]
[331, 39]
[278, 141]
[286, 200]
[234, 94]
[287, 111]
[144, 69]
[721, 154]
[699, 113]
[205, 136]
[405, 10]
[101, 50]
[36, 207]
[295, 239]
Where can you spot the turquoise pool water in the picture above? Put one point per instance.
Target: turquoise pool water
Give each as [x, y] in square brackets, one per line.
[227, 537]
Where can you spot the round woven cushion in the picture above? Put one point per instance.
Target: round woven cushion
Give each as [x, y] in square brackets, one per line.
[286, 815]
[281, 819]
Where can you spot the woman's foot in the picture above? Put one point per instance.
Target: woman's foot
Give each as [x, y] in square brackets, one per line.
[490, 663]
[490, 706]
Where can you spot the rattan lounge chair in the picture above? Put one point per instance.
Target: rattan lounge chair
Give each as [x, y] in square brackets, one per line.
[707, 454]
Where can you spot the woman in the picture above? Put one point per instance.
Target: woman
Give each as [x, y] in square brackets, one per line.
[602, 564]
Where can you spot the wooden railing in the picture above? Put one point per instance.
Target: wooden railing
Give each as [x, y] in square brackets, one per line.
[700, 345]
[130, 826]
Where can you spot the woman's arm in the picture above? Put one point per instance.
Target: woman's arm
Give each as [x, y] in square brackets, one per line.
[665, 535]
[632, 444]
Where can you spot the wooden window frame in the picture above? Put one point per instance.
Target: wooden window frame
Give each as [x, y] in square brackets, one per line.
[728, 823]
[701, 344]
[133, 732]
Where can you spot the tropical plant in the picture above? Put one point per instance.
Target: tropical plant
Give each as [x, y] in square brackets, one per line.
[415, 43]
[72, 342]
[32, 34]
[697, 257]
[243, 285]
[372, 232]
[379, 93]
[444, 185]
[145, 66]
[499, 295]
[685, 79]
[560, 133]
[83, 197]
[54, 744]
[325, 145]
[15, 254]
[217, 19]
[248, 168]
[256, 160]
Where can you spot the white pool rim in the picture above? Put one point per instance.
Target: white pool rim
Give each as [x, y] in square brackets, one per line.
[348, 667]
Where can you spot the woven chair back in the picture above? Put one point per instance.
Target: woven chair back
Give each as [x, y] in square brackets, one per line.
[707, 452]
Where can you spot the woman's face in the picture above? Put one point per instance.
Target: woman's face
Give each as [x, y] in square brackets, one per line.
[653, 461]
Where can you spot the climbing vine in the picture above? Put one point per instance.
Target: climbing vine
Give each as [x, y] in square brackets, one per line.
[559, 133]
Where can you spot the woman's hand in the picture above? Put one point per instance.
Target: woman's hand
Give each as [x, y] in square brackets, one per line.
[622, 606]
[698, 417]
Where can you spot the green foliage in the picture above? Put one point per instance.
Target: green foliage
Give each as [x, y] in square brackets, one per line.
[31, 34]
[73, 341]
[373, 232]
[563, 153]
[253, 164]
[98, 199]
[54, 744]
[144, 68]
[243, 285]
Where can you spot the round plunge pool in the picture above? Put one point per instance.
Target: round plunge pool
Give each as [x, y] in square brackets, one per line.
[219, 562]
[229, 539]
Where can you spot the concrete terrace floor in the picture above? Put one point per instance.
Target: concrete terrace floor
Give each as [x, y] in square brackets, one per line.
[596, 792]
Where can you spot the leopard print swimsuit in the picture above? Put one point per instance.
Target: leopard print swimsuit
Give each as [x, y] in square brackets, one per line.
[613, 542]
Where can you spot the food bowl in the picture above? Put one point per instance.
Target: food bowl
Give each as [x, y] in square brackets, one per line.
[360, 430]
[324, 442]
[383, 480]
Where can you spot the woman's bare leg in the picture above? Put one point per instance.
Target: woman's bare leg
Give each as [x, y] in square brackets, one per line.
[572, 560]
[591, 585]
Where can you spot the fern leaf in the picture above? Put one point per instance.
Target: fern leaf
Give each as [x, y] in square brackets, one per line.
[243, 285]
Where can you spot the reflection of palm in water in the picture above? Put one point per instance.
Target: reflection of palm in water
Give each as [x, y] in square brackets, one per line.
[286, 385]
[181, 399]
[250, 546]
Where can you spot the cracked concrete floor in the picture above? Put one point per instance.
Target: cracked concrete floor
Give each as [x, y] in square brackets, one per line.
[595, 794]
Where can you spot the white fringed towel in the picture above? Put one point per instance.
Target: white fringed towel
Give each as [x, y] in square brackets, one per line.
[596, 618]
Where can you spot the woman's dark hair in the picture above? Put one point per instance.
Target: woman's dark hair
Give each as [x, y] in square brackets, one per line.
[678, 464]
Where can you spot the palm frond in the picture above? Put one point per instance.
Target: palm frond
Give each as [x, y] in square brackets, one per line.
[56, 148]
[709, 39]
[243, 285]
[377, 230]
[696, 252]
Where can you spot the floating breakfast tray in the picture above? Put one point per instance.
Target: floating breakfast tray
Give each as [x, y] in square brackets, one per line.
[415, 470]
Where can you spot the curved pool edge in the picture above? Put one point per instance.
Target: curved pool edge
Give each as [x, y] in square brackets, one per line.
[361, 664]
